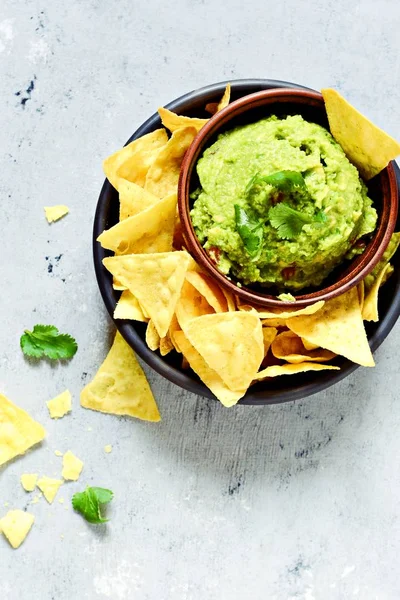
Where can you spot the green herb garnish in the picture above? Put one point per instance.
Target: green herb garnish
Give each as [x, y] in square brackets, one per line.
[88, 503]
[284, 181]
[47, 341]
[250, 230]
[288, 221]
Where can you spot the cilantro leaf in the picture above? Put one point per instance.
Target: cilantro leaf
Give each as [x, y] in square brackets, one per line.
[88, 503]
[284, 181]
[250, 230]
[288, 221]
[46, 341]
[320, 217]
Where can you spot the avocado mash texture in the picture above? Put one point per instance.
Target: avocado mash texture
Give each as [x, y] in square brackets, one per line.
[279, 204]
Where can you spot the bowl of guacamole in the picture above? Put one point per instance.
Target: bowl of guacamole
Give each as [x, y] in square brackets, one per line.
[271, 204]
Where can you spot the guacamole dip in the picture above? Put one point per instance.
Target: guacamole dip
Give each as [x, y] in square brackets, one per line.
[279, 204]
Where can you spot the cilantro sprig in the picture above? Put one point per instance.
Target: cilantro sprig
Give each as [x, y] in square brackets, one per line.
[88, 503]
[287, 221]
[250, 230]
[284, 181]
[45, 341]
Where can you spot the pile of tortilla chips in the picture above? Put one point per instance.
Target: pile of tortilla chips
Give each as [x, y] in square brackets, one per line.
[229, 345]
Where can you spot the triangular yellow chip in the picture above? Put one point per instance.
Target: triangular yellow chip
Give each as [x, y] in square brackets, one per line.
[278, 313]
[16, 525]
[209, 289]
[269, 334]
[152, 337]
[289, 347]
[53, 213]
[133, 199]
[338, 327]
[128, 307]
[288, 369]
[133, 161]
[232, 345]
[120, 386]
[151, 230]
[172, 121]
[155, 280]
[367, 146]
[49, 487]
[370, 306]
[191, 304]
[387, 255]
[163, 175]
[18, 431]
[214, 107]
[208, 376]
[72, 466]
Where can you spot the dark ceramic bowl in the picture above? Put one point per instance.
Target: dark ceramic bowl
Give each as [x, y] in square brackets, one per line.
[280, 389]
[310, 105]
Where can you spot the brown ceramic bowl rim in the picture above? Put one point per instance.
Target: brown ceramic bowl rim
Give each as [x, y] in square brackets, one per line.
[366, 262]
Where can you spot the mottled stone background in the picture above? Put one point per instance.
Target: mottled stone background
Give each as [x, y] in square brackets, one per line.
[293, 501]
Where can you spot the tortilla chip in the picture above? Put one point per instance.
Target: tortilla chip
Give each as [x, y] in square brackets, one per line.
[173, 328]
[155, 280]
[18, 431]
[16, 525]
[269, 334]
[209, 289]
[208, 376]
[117, 285]
[133, 199]
[60, 405]
[163, 175]
[367, 146]
[274, 322]
[231, 343]
[386, 257]
[288, 346]
[128, 307]
[152, 337]
[230, 299]
[53, 213]
[277, 313]
[214, 107]
[191, 304]
[120, 386]
[49, 487]
[172, 121]
[166, 345]
[149, 231]
[370, 308]
[72, 466]
[338, 327]
[309, 345]
[288, 369]
[134, 160]
[361, 294]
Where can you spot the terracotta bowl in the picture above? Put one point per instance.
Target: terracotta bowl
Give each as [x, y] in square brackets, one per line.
[310, 105]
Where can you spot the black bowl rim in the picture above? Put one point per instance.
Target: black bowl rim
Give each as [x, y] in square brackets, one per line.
[153, 359]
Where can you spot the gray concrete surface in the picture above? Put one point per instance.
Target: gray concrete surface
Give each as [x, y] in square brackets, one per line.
[295, 501]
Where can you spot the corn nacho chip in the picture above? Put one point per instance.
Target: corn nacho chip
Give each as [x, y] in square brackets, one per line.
[133, 199]
[28, 481]
[16, 525]
[370, 307]
[166, 345]
[172, 121]
[120, 386]
[386, 257]
[163, 175]
[288, 346]
[128, 307]
[133, 161]
[277, 313]
[53, 213]
[209, 289]
[60, 405]
[367, 146]
[208, 376]
[191, 304]
[269, 334]
[155, 280]
[149, 231]
[289, 369]
[338, 327]
[18, 431]
[231, 343]
[152, 337]
[230, 300]
[214, 107]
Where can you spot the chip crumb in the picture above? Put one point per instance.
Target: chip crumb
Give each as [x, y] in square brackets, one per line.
[62, 536]
[16, 526]
[49, 487]
[36, 498]
[53, 213]
[6, 504]
[108, 448]
[58, 453]
[90, 429]
[60, 405]
[28, 481]
[72, 466]
[61, 500]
